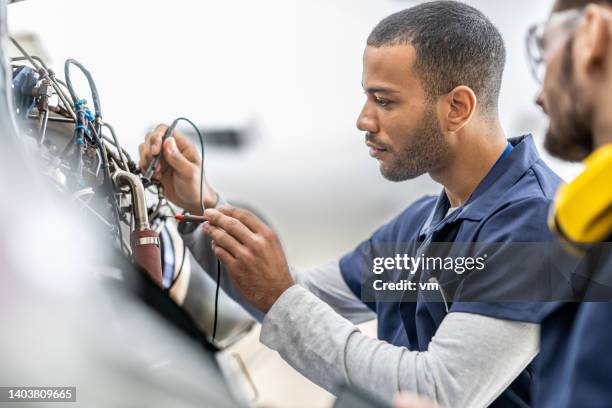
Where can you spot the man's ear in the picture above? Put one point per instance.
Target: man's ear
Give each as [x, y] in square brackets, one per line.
[456, 108]
[593, 41]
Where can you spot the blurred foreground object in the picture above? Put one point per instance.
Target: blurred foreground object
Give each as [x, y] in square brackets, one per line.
[74, 311]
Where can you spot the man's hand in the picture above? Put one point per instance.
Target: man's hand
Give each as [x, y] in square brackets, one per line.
[179, 169]
[251, 253]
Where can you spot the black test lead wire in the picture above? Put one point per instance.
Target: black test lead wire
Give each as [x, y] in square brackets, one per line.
[149, 173]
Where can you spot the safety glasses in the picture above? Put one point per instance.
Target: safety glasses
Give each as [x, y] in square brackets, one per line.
[544, 39]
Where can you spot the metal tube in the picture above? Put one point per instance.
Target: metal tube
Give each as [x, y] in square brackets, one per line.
[139, 204]
[53, 119]
[43, 126]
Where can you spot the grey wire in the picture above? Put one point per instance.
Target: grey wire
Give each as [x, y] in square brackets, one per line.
[60, 90]
[63, 98]
[90, 81]
[99, 162]
[32, 57]
[116, 161]
[160, 202]
[110, 141]
[117, 145]
[108, 179]
[168, 134]
[27, 56]
[46, 74]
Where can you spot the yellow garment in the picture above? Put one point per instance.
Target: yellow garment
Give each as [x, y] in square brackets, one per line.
[582, 212]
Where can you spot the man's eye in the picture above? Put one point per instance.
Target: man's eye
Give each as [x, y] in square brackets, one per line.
[382, 102]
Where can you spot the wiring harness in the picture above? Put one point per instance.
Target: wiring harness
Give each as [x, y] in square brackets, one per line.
[92, 167]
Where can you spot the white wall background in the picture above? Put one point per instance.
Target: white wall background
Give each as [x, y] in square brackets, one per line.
[291, 69]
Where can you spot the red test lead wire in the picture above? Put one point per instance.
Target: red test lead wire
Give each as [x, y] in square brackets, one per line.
[189, 218]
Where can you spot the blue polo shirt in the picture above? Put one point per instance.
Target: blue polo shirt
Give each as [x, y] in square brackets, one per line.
[509, 205]
[574, 368]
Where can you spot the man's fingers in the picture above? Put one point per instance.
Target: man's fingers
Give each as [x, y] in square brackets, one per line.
[175, 159]
[187, 148]
[233, 226]
[246, 217]
[142, 156]
[151, 145]
[146, 159]
[154, 140]
[226, 258]
[224, 240]
[159, 171]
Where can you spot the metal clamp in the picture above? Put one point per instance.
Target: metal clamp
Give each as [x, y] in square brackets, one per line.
[146, 241]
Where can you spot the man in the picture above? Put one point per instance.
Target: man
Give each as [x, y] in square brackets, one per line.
[574, 49]
[432, 75]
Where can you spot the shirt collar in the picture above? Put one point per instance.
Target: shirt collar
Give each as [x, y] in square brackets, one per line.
[499, 179]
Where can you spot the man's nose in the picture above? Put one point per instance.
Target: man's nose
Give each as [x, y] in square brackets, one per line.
[541, 102]
[367, 121]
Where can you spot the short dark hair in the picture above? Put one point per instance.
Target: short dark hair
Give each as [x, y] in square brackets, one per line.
[561, 5]
[455, 45]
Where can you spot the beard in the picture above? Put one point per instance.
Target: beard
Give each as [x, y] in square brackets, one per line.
[426, 151]
[571, 138]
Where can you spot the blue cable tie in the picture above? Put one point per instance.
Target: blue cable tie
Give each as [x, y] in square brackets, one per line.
[77, 127]
[87, 113]
[80, 102]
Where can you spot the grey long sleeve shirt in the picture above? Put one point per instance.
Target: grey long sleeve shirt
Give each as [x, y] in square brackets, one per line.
[470, 361]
